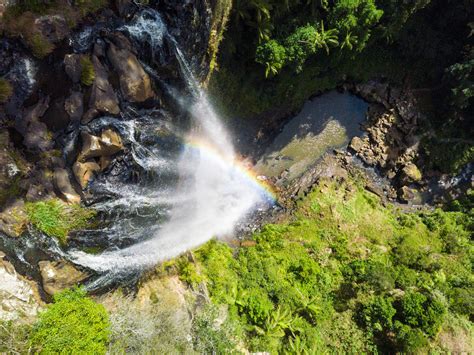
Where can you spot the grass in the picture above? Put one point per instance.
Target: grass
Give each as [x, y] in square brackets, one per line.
[6, 90]
[57, 219]
[87, 71]
[39, 45]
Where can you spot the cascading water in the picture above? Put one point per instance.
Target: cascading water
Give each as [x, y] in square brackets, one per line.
[200, 194]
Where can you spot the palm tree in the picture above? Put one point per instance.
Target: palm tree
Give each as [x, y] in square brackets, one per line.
[325, 39]
[349, 41]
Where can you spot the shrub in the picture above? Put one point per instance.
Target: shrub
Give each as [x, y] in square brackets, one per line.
[6, 90]
[87, 71]
[211, 336]
[378, 313]
[409, 339]
[420, 311]
[73, 324]
[56, 219]
[40, 46]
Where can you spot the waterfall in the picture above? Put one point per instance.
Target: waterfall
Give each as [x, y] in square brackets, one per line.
[213, 191]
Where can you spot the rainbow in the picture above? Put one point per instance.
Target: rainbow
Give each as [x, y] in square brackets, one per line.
[238, 165]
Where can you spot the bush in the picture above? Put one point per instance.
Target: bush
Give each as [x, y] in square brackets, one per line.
[6, 90]
[409, 339]
[378, 313]
[420, 311]
[211, 336]
[87, 71]
[73, 324]
[56, 219]
[40, 46]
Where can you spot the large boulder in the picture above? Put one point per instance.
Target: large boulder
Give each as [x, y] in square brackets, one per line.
[85, 172]
[103, 98]
[411, 173]
[63, 185]
[59, 275]
[135, 83]
[107, 144]
[19, 297]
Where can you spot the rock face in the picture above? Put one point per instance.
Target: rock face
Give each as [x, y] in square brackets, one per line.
[59, 275]
[103, 98]
[85, 172]
[19, 297]
[64, 186]
[135, 83]
[390, 143]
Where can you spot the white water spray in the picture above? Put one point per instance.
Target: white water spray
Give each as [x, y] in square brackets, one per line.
[213, 193]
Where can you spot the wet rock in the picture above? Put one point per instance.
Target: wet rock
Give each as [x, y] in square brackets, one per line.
[63, 185]
[72, 66]
[19, 297]
[52, 27]
[103, 98]
[111, 142]
[411, 173]
[105, 162]
[85, 172]
[107, 144]
[135, 83]
[59, 275]
[74, 106]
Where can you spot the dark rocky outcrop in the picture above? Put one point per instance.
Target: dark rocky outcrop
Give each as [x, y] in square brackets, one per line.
[103, 98]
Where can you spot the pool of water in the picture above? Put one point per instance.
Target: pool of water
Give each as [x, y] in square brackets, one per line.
[326, 122]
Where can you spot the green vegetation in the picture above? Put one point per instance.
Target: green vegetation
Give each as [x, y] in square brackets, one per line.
[346, 274]
[87, 71]
[73, 324]
[56, 218]
[6, 90]
[40, 46]
[275, 55]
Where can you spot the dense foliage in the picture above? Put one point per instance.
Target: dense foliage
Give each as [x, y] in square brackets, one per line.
[348, 275]
[73, 324]
[275, 55]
